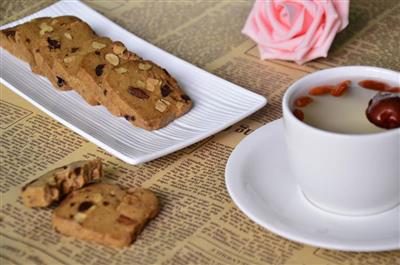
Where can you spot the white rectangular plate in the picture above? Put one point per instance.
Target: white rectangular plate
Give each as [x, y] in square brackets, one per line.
[217, 102]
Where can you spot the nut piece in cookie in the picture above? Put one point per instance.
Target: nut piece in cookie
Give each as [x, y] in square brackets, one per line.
[105, 214]
[52, 186]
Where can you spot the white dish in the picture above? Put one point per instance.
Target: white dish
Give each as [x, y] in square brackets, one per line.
[261, 185]
[217, 102]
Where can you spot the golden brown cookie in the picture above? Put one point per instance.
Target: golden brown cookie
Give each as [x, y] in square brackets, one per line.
[103, 55]
[58, 42]
[7, 40]
[105, 214]
[144, 93]
[19, 39]
[68, 64]
[22, 39]
[68, 52]
[54, 185]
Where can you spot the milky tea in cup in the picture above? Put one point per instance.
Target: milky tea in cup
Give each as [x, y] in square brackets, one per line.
[342, 133]
[351, 106]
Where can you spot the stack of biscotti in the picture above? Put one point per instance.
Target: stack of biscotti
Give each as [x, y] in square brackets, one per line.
[87, 209]
[69, 53]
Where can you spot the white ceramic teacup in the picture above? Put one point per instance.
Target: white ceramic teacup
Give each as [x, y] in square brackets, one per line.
[350, 174]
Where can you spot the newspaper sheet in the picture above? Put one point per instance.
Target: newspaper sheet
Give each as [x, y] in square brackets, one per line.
[198, 223]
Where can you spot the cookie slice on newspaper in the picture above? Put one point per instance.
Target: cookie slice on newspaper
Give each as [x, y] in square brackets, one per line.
[54, 185]
[105, 214]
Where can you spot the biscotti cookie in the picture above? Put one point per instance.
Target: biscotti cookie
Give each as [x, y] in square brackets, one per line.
[144, 93]
[7, 40]
[105, 214]
[19, 39]
[68, 52]
[68, 64]
[52, 186]
[28, 34]
[91, 66]
[59, 42]
[97, 63]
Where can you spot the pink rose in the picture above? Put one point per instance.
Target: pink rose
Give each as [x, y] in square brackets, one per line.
[298, 30]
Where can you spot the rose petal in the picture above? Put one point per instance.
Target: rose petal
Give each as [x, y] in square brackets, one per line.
[274, 19]
[299, 26]
[322, 50]
[289, 12]
[271, 53]
[342, 8]
[311, 6]
[300, 52]
[285, 14]
[251, 28]
[265, 29]
[310, 37]
[256, 26]
[329, 29]
[295, 36]
[331, 19]
[289, 45]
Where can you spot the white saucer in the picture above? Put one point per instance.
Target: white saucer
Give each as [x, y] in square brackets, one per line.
[261, 185]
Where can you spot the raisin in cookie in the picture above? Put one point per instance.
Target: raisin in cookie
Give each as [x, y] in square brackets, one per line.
[105, 214]
[52, 186]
